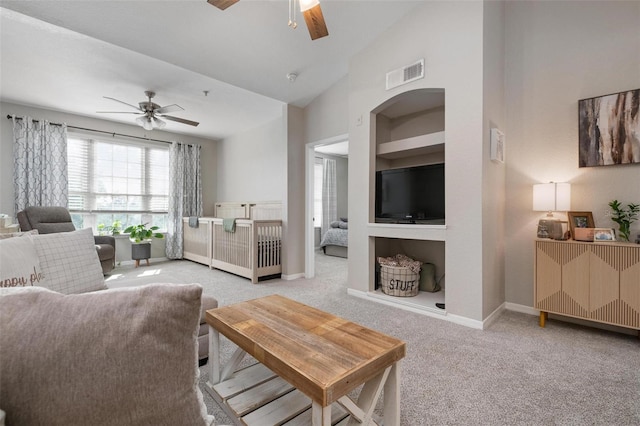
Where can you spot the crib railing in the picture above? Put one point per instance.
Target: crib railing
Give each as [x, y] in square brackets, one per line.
[252, 251]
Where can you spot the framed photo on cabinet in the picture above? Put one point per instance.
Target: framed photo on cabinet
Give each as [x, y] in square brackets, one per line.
[604, 235]
[579, 220]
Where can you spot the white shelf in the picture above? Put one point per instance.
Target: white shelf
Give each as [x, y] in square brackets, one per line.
[409, 232]
[417, 145]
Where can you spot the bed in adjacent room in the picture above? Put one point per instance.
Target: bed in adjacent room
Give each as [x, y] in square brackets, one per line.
[336, 240]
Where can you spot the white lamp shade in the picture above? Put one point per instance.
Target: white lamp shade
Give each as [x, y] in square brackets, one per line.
[552, 197]
[563, 197]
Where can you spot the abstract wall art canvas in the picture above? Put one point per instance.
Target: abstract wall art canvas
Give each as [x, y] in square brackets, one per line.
[609, 129]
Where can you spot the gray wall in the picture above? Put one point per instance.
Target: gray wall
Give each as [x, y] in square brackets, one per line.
[293, 262]
[449, 35]
[252, 165]
[494, 174]
[327, 116]
[556, 54]
[208, 152]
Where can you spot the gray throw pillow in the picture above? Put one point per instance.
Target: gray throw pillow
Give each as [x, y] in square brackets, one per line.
[125, 356]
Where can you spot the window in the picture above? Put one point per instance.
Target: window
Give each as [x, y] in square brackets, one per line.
[317, 192]
[117, 181]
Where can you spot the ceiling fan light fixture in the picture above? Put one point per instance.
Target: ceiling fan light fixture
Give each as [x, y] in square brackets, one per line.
[145, 122]
[159, 123]
[151, 111]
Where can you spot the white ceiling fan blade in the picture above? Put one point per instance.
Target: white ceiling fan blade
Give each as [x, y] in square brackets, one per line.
[169, 108]
[180, 120]
[124, 103]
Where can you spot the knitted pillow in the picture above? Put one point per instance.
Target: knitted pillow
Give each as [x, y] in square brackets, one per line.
[125, 356]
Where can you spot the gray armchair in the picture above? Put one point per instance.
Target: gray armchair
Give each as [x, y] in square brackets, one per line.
[48, 220]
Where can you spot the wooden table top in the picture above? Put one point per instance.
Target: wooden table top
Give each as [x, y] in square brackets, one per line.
[322, 355]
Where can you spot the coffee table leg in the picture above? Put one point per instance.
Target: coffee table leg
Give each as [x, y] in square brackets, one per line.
[214, 356]
[392, 396]
[320, 416]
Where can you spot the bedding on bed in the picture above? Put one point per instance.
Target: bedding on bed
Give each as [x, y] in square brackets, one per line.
[335, 237]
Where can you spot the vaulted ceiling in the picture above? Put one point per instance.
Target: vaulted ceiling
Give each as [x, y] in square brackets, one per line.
[67, 55]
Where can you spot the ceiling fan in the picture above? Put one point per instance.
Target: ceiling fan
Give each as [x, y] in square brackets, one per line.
[151, 112]
[310, 10]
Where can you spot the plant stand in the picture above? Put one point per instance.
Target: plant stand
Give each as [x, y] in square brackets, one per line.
[141, 251]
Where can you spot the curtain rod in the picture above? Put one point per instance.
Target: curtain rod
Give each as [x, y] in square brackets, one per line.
[113, 134]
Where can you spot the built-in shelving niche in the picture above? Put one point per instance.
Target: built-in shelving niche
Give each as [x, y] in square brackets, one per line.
[424, 251]
[409, 131]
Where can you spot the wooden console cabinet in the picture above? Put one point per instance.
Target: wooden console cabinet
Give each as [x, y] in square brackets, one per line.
[593, 281]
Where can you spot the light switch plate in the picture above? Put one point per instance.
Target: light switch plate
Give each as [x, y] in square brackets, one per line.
[497, 145]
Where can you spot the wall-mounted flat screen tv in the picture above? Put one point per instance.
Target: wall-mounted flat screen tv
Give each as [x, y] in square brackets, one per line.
[410, 195]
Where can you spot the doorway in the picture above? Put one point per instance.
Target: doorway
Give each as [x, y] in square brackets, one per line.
[336, 149]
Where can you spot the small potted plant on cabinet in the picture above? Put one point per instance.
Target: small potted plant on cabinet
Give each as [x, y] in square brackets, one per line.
[140, 237]
[624, 217]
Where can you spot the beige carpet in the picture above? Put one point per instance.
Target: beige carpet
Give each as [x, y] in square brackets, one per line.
[513, 373]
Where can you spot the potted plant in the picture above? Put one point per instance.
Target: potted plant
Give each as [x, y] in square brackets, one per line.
[140, 237]
[624, 217]
[114, 229]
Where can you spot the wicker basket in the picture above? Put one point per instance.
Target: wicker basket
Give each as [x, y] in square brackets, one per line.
[399, 281]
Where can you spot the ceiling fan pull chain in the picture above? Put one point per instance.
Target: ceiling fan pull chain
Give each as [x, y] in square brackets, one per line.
[292, 14]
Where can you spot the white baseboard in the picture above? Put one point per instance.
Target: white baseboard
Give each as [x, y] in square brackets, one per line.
[467, 322]
[292, 276]
[523, 309]
[493, 316]
[456, 319]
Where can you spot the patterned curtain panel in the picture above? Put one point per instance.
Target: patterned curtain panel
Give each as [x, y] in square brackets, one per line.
[40, 163]
[185, 193]
[329, 194]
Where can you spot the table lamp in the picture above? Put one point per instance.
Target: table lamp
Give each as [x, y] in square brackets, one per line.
[551, 197]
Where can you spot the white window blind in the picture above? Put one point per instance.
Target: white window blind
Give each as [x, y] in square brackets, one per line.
[117, 180]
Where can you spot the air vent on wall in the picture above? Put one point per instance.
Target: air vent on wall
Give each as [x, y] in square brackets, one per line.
[405, 75]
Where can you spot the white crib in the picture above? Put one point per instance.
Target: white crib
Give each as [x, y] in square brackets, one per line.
[253, 251]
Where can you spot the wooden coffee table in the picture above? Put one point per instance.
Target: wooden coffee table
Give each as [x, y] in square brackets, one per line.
[308, 361]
